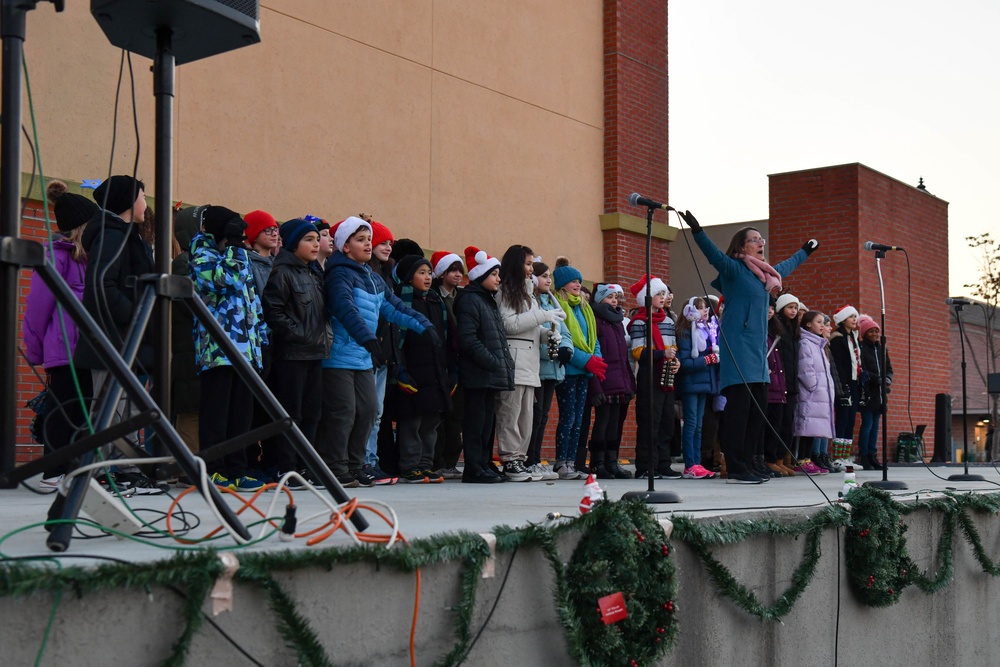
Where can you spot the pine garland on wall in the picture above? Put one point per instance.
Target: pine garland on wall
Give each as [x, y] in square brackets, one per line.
[622, 549]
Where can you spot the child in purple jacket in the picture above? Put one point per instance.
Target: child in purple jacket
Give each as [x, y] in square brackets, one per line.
[49, 334]
[611, 394]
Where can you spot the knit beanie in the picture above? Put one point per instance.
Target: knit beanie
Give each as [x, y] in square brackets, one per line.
[293, 231]
[214, 221]
[656, 286]
[604, 290]
[564, 275]
[347, 228]
[407, 267]
[843, 313]
[442, 260]
[71, 210]
[319, 223]
[865, 322]
[785, 300]
[121, 193]
[257, 222]
[403, 247]
[480, 264]
[380, 233]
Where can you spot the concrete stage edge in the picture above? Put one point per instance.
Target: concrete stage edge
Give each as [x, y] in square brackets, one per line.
[363, 615]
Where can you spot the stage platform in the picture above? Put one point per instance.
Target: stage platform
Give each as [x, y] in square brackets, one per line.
[362, 613]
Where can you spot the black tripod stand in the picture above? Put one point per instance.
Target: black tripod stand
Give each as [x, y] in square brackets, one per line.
[964, 476]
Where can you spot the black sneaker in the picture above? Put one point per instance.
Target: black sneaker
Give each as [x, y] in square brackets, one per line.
[669, 473]
[112, 483]
[516, 472]
[363, 478]
[434, 477]
[381, 477]
[644, 474]
[348, 480]
[498, 471]
[143, 485]
[481, 476]
[414, 476]
[295, 483]
[744, 478]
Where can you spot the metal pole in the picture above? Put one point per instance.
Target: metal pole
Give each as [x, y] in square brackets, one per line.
[12, 25]
[163, 90]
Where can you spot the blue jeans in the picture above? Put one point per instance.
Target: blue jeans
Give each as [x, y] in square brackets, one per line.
[571, 395]
[868, 436]
[694, 413]
[820, 446]
[371, 450]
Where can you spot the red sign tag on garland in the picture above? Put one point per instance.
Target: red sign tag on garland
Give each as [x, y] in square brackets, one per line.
[612, 608]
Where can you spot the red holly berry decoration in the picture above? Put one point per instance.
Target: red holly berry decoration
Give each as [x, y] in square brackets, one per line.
[863, 533]
[640, 536]
[660, 630]
[633, 663]
[892, 592]
[670, 605]
[658, 640]
[665, 550]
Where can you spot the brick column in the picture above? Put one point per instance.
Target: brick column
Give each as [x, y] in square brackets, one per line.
[635, 135]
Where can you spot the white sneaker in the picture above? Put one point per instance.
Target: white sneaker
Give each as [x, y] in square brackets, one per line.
[577, 474]
[50, 484]
[536, 472]
[857, 466]
[565, 470]
[545, 471]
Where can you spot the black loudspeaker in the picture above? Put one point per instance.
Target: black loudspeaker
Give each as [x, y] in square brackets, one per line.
[942, 428]
[201, 28]
[993, 382]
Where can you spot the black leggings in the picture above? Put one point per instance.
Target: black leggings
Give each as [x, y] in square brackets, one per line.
[740, 428]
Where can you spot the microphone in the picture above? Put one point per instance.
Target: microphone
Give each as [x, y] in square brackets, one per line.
[635, 199]
[869, 245]
[958, 302]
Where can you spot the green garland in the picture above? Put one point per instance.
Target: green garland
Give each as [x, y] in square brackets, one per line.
[622, 549]
[702, 537]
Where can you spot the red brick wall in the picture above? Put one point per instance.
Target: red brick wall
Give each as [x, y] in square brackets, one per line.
[28, 385]
[635, 139]
[843, 207]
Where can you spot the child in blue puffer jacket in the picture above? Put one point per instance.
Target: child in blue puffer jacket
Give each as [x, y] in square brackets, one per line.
[355, 298]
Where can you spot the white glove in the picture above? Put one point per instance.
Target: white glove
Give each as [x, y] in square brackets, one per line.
[555, 316]
[555, 337]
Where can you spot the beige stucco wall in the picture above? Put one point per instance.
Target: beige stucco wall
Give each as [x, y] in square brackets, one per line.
[453, 122]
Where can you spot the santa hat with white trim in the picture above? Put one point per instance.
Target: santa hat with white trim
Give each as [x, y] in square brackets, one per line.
[843, 313]
[441, 260]
[655, 287]
[345, 229]
[479, 263]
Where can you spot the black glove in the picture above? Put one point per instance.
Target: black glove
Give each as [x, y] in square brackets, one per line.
[375, 349]
[432, 335]
[810, 246]
[597, 400]
[691, 221]
[565, 354]
[234, 232]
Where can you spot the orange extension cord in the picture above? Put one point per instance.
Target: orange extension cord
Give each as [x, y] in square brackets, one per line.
[315, 536]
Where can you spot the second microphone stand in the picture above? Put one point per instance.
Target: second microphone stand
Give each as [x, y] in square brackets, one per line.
[885, 482]
[964, 476]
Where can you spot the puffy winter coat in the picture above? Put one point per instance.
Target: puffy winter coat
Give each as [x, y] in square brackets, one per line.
[776, 367]
[224, 282]
[744, 325]
[871, 364]
[618, 380]
[116, 253]
[484, 360]
[356, 298]
[42, 329]
[697, 376]
[814, 409]
[551, 369]
[295, 312]
[525, 334]
[425, 366]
